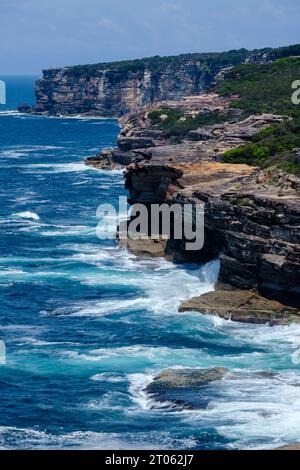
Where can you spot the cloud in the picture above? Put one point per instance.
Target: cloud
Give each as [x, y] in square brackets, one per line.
[61, 32]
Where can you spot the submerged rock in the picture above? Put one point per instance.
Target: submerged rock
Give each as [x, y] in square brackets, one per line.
[195, 388]
[185, 387]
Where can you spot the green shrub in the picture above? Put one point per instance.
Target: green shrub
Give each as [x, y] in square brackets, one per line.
[272, 146]
[263, 88]
[208, 63]
[251, 154]
[177, 125]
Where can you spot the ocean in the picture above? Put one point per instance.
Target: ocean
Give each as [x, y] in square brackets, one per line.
[87, 325]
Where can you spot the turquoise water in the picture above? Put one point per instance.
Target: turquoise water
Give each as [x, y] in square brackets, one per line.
[87, 326]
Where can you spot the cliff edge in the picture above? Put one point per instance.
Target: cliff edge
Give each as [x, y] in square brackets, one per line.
[114, 89]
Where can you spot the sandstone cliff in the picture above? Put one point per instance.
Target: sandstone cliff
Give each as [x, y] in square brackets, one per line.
[252, 216]
[114, 89]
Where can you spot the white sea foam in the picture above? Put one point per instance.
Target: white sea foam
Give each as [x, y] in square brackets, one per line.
[149, 276]
[112, 401]
[80, 117]
[69, 230]
[25, 199]
[28, 340]
[58, 167]
[19, 151]
[11, 272]
[13, 437]
[111, 377]
[27, 215]
[144, 356]
[95, 259]
[23, 328]
[98, 309]
[181, 284]
[138, 383]
[11, 154]
[10, 112]
[33, 148]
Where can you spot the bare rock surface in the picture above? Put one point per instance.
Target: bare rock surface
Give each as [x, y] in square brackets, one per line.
[140, 141]
[242, 306]
[289, 447]
[182, 378]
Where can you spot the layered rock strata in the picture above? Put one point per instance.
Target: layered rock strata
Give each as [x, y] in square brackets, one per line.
[252, 217]
[113, 89]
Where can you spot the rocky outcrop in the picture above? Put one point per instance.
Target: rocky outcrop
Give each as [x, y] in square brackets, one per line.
[252, 217]
[24, 108]
[184, 387]
[254, 227]
[140, 140]
[242, 306]
[113, 91]
[182, 378]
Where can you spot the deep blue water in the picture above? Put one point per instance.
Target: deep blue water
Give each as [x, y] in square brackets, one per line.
[87, 326]
[19, 90]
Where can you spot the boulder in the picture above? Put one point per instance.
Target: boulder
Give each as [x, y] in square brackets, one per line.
[24, 108]
[185, 388]
[185, 378]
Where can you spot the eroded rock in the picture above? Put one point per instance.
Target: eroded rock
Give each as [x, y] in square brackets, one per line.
[185, 387]
[242, 306]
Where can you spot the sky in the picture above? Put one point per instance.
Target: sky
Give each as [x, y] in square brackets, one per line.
[38, 34]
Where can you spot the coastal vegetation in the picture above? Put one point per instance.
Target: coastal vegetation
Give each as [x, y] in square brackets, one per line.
[267, 88]
[176, 125]
[275, 146]
[263, 88]
[209, 62]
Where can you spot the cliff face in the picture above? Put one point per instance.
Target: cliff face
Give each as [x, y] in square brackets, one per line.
[252, 216]
[111, 92]
[251, 224]
[114, 89]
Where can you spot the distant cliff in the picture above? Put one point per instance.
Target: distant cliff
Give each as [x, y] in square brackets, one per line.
[113, 89]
